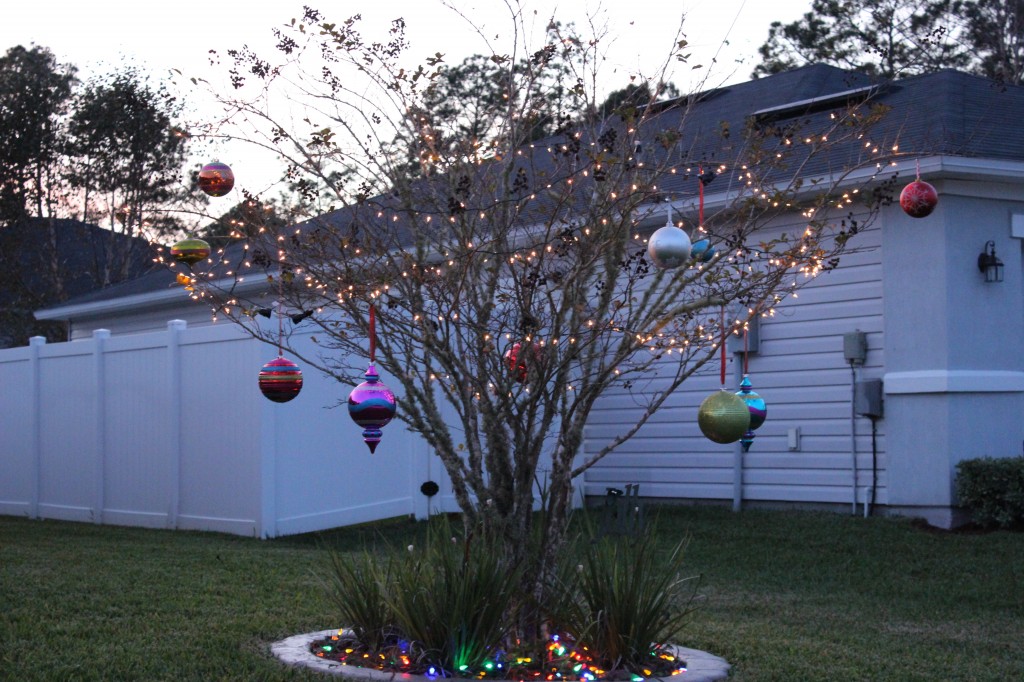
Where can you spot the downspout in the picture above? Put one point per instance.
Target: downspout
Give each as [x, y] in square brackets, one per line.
[737, 459]
[853, 436]
[855, 351]
[869, 498]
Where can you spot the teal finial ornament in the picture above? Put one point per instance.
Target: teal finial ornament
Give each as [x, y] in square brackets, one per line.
[756, 406]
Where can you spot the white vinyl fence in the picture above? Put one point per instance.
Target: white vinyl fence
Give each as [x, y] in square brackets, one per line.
[169, 430]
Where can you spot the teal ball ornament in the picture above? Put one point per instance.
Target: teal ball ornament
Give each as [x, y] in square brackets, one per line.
[723, 417]
[669, 247]
[700, 247]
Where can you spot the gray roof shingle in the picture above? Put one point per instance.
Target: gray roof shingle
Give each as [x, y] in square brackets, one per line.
[942, 113]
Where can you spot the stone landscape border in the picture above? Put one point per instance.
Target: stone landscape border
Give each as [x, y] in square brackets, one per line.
[700, 665]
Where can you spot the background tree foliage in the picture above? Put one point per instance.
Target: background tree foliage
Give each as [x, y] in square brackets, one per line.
[508, 234]
[78, 157]
[895, 38]
[35, 92]
[125, 160]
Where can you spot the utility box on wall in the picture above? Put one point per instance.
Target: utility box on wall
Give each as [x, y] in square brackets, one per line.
[855, 347]
[734, 342]
[868, 398]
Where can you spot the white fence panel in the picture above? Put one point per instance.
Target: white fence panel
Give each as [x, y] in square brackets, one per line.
[325, 474]
[17, 431]
[220, 436]
[169, 429]
[137, 483]
[67, 428]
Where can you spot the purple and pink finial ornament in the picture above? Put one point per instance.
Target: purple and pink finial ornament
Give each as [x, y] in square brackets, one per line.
[371, 404]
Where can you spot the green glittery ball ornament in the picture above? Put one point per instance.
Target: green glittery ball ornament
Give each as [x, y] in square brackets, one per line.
[723, 417]
[190, 251]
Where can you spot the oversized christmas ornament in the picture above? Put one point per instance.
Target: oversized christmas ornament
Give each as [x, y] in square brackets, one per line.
[723, 417]
[758, 410]
[702, 250]
[216, 179]
[280, 380]
[669, 247]
[918, 199]
[699, 248]
[755, 403]
[372, 405]
[190, 251]
[519, 360]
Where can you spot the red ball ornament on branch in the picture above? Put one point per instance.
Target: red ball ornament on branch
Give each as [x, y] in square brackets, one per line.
[519, 360]
[216, 179]
[918, 199]
[280, 380]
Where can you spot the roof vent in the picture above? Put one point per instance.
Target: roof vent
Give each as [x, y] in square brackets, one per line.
[814, 104]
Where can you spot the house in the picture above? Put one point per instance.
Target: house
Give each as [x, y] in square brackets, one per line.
[45, 261]
[880, 377]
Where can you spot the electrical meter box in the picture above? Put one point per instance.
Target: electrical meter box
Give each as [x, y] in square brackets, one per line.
[855, 347]
[734, 342]
[867, 401]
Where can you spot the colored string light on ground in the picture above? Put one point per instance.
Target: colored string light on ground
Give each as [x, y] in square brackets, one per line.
[562, 662]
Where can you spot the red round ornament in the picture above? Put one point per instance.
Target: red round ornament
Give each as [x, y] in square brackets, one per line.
[918, 199]
[216, 179]
[280, 380]
[518, 361]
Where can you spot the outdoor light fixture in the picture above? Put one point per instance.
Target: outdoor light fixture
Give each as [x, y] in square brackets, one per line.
[989, 264]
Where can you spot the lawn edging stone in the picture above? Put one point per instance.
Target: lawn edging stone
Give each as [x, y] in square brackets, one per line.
[294, 651]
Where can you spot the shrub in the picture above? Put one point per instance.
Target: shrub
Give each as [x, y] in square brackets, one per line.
[992, 490]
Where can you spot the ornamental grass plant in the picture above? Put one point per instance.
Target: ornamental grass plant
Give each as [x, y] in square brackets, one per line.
[447, 604]
[454, 599]
[451, 604]
[624, 597]
[357, 585]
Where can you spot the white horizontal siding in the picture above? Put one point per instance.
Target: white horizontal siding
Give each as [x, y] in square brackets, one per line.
[801, 373]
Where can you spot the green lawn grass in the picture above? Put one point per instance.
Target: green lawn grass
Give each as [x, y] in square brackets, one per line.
[788, 596]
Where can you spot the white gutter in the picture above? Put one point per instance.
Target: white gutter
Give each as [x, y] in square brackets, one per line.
[933, 167]
[147, 300]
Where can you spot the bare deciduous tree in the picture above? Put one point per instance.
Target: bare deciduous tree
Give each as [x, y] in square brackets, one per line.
[526, 247]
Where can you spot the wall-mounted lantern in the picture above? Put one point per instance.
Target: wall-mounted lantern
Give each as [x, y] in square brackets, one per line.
[989, 264]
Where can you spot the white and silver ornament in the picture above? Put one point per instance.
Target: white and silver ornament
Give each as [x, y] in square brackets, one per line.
[669, 246]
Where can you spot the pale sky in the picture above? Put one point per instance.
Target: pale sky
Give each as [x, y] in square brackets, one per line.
[163, 35]
[100, 35]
